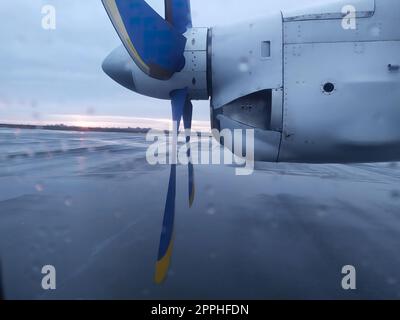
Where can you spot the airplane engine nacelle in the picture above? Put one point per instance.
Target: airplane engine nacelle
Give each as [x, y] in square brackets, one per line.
[314, 88]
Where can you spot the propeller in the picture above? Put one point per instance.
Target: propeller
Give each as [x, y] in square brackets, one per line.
[155, 44]
[157, 47]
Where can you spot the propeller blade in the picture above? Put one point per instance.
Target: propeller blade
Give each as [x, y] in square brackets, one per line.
[178, 100]
[187, 121]
[153, 43]
[167, 233]
[178, 14]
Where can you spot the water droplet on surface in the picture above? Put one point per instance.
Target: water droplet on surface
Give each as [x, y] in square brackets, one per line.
[36, 115]
[213, 255]
[244, 65]
[90, 111]
[145, 292]
[68, 202]
[211, 210]
[322, 211]
[209, 191]
[375, 31]
[118, 215]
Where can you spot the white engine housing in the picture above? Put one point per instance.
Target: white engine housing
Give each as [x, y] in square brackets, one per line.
[324, 94]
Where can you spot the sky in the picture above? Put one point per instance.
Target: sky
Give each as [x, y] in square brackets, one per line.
[55, 76]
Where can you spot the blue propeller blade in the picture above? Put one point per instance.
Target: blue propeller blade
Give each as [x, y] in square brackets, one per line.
[154, 44]
[178, 100]
[167, 233]
[178, 13]
[187, 121]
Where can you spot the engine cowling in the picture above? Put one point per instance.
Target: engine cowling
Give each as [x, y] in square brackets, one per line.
[246, 63]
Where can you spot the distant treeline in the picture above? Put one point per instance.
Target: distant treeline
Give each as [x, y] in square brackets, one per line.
[74, 128]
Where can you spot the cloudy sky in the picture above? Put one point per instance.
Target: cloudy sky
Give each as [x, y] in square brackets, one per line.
[55, 76]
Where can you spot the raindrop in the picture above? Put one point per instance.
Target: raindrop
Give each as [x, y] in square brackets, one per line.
[118, 215]
[34, 104]
[127, 66]
[391, 281]
[375, 31]
[213, 255]
[244, 65]
[209, 190]
[68, 202]
[322, 211]
[211, 210]
[36, 115]
[171, 273]
[145, 292]
[90, 111]
[35, 269]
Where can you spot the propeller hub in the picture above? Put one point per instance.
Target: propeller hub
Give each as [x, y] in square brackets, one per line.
[121, 68]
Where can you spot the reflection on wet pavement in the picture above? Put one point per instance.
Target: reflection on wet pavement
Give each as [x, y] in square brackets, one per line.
[91, 205]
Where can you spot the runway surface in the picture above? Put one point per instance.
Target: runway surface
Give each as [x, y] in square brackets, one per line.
[91, 205]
